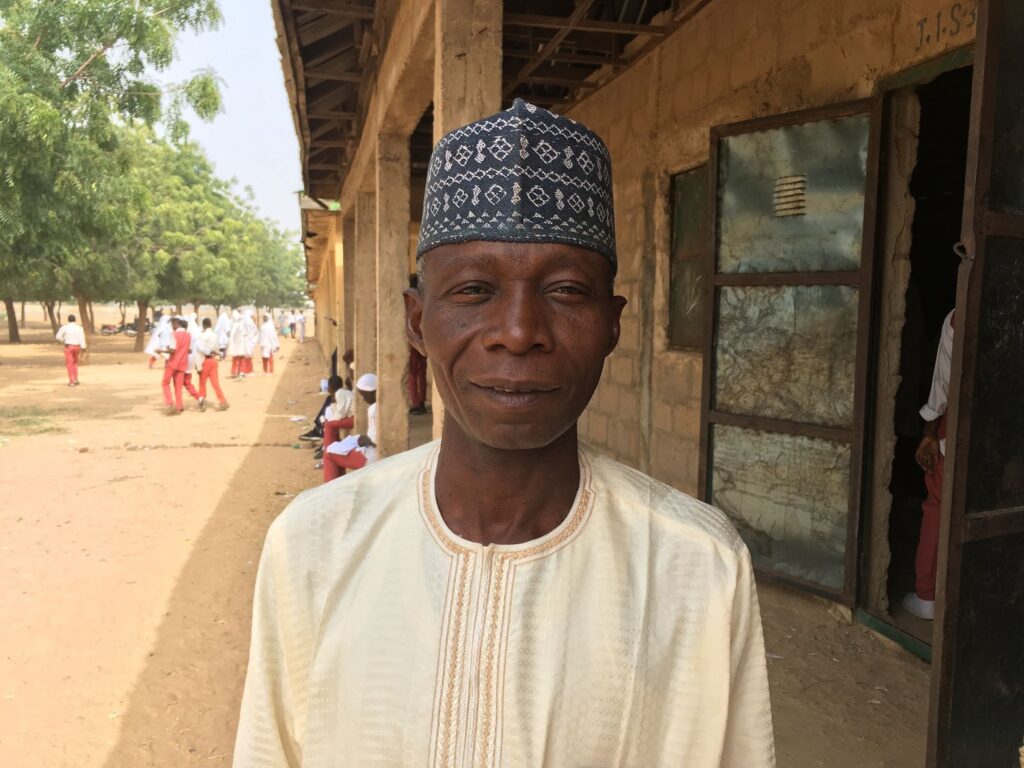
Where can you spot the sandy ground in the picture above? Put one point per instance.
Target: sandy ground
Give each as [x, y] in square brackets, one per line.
[128, 547]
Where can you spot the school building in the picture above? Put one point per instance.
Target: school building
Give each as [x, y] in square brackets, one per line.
[804, 190]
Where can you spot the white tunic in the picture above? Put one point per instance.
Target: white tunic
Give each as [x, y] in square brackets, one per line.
[268, 339]
[628, 636]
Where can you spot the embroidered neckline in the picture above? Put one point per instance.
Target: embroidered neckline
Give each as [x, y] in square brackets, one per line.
[550, 542]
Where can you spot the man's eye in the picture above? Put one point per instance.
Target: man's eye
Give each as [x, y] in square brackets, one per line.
[471, 290]
[568, 290]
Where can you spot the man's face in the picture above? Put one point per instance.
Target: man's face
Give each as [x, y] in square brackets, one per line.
[517, 335]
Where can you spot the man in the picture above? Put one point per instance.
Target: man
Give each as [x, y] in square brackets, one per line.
[508, 597]
[269, 343]
[177, 366]
[208, 349]
[73, 337]
[293, 319]
[357, 452]
[931, 457]
[300, 325]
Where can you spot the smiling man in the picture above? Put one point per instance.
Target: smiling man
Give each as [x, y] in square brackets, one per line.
[505, 596]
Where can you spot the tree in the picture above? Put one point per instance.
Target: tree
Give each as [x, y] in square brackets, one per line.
[70, 73]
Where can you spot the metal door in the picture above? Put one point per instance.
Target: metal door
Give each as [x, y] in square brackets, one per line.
[786, 346]
[977, 704]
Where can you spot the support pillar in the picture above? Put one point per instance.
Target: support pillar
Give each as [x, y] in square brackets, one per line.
[338, 310]
[392, 278]
[365, 314]
[467, 80]
[348, 260]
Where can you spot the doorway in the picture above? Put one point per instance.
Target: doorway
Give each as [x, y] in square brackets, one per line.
[937, 188]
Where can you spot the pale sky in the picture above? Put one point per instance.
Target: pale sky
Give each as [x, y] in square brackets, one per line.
[253, 139]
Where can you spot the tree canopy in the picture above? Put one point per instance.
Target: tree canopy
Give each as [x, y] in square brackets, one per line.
[102, 196]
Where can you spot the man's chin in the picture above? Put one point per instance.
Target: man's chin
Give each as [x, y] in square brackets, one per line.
[520, 437]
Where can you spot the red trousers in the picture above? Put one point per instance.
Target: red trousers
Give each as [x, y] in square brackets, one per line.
[240, 364]
[268, 363]
[210, 374]
[181, 379]
[71, 352]
[417, 382]
[928, 545]
[334, 464]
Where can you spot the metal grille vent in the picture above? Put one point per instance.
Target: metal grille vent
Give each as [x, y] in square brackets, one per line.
[791, 196]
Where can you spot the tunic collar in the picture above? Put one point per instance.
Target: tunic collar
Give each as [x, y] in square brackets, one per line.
[533, 549]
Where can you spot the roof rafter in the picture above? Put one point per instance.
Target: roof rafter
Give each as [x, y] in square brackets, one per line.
[578, 14]
[345, 10]
[583, 25]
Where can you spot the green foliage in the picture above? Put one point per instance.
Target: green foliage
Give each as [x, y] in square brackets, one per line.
[72, 72]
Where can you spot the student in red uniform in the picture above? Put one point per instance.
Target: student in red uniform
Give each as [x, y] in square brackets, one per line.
[73, 336]
[176, 366]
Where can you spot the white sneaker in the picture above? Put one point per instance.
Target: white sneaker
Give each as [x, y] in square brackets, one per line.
[923, 609]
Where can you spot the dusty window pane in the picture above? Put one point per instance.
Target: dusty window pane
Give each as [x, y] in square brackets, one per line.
[787, 352]
[788, 497]
[689, 250]
[826, 226]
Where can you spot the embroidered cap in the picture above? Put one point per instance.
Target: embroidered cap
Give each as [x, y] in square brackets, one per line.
[525, 175]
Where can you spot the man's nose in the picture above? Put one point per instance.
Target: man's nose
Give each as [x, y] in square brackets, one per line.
[519, 323]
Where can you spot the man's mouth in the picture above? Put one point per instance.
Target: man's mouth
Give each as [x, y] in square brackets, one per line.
[516, 394]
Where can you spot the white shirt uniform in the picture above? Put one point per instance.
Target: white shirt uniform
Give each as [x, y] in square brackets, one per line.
[628, 636]
[938, 397]
[370, 452]
[72, 335]
[344, 405]
[208, 344]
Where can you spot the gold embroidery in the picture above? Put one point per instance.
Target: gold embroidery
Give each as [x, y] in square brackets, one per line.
[505, 563]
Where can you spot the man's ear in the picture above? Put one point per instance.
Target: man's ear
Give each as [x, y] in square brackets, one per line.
[413, 317]
[618, 304]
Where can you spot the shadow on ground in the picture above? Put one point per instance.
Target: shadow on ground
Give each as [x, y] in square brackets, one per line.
[183, 708]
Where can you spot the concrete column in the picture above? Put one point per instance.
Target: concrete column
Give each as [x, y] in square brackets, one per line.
[467, 62]
[365, 314]
[338, 278]
[348, 260]
[392, 278]
[467, 80]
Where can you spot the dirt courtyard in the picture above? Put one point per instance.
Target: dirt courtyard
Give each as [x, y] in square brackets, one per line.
[129, 544]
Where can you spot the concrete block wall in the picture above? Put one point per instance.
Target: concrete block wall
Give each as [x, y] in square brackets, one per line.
[736, 60]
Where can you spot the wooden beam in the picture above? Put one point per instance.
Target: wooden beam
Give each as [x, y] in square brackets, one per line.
[331, 114]
[581, 10]
[568, 58]
[317, 30]
[563, 82]
[316, 133]
[341, 77]
[345, 10]
[583, 25]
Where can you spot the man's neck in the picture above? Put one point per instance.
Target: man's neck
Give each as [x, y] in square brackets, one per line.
[494, 496]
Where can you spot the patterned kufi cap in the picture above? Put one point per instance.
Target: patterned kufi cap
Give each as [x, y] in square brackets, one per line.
[524, 175]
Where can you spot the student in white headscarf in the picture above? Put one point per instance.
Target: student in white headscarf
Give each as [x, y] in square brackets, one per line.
[269, 343]
[236, 345]
[159, 338]
[223, 331]
[251, 337]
